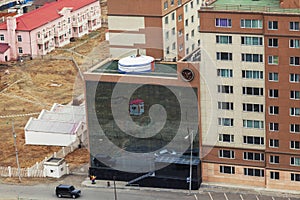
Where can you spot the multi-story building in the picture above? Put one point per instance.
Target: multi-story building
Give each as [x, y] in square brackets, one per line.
[254, 46]
[248, 85]
[165, 29]
[53, 25]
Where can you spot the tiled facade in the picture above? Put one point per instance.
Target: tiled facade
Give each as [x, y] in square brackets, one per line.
[261, 51]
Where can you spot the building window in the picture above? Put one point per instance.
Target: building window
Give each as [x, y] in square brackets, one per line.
[224, 56]
[273, 42]
[295, 145]
[180, 33]
[251, 23]
[228, 89]
[254, 156]
[295, 61]
[192, 4]
[273, 76]
[253, 124]
[294, 111]
[173, 31]
[274, 175]
[166, 20]
[295, 128]
[294, 43]
[166, 5]
[186, 8]
[253, 140]
[253, 91]
[1, 37]
[227, 169]
[19, 38]
[192, 19]
[295, 177]
[225, 105]
[226, 154]
[186, 22]
[247, 57]
[168, 50]
[274, 143]
[294, 94]
[295, 161]
[223, 39]
[273, 93]
[274, 110]
[294, 26]
[249, 107]
[179, 18]
[255, 41]
[173, 16]
[273, 25]
[173, 46]
[187, 51]
[187, 37]
[192, 33]
[226, 73]
[193, 47]
[226, 138]
[179, 2]
[20, 49]
[252, 74]
[254, 172]
[172, 2]
[274, 159]
[225, 121]
[180, 47]
[273, 126]
[167, 35]
[273, 60]
[223, 22]
[295, 78]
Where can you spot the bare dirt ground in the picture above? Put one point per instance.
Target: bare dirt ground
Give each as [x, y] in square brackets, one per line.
[31, 86]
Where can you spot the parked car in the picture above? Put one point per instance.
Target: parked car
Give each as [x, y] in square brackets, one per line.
[102, 160]
[67, 191]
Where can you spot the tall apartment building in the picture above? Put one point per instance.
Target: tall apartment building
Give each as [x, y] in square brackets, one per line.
[164, 29]
[254, 48]
[248, 85]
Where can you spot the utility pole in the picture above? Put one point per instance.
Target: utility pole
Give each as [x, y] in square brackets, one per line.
[115, 189]
[16, 149]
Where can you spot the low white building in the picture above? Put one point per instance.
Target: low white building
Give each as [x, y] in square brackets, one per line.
[55, 167]
[61, 126]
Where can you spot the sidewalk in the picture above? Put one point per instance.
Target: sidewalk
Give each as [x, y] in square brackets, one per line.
[205, 187]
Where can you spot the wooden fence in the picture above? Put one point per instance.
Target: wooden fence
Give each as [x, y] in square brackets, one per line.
[37, 170]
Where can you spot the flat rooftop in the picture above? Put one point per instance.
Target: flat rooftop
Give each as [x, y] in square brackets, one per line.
[166, 69]
[250, 6]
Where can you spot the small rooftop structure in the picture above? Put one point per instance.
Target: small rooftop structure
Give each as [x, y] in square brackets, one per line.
[55, 167]
[136, 63]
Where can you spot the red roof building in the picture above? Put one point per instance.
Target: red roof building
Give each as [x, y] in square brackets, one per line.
[38, 32]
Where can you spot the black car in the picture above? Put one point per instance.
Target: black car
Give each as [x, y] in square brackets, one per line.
[67, 191]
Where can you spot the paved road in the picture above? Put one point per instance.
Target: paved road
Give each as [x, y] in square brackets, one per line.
[45, 191]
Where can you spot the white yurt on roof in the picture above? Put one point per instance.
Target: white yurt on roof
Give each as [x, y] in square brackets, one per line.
[136, 63]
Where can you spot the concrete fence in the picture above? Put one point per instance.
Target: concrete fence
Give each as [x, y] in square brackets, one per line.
[37, 170]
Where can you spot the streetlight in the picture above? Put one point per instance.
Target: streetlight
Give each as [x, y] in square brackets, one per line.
[16, 149]
[191, 136]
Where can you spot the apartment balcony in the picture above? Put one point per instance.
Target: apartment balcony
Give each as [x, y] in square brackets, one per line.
[78, 23]
[61, 31]
[43, 40]
[92, 16]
